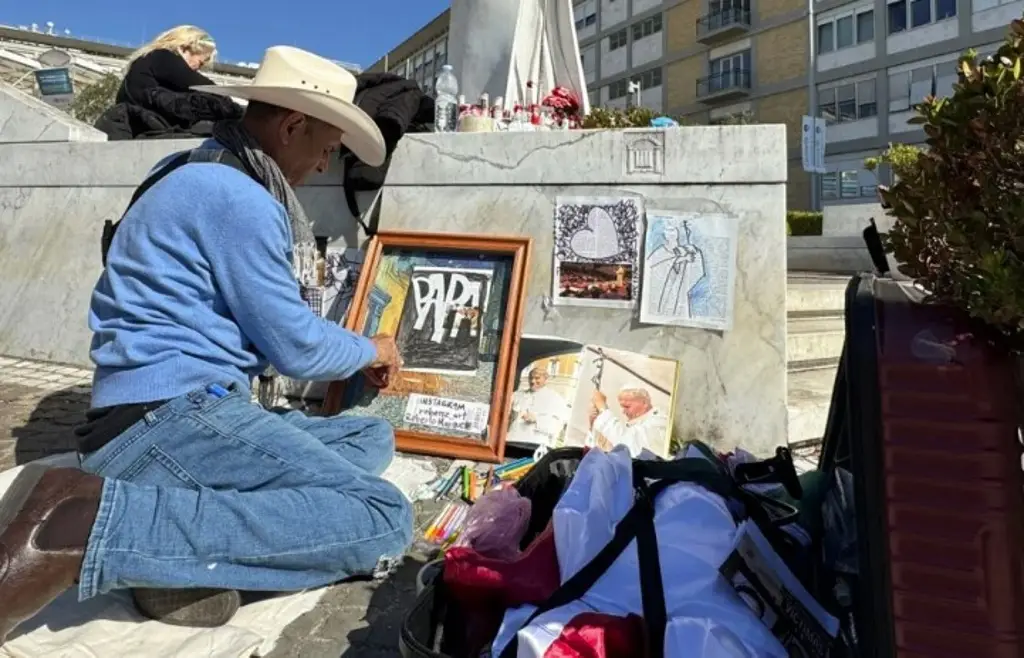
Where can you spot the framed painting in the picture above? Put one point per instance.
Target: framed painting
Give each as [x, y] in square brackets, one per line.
[454, 304]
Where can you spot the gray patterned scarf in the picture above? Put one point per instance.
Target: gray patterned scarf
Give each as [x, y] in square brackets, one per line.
[240, 142]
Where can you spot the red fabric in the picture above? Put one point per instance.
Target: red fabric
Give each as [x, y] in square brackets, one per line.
[484, 588]
[596, 635]
[531, 578]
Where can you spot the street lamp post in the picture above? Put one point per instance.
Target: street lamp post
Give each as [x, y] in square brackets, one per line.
[812, 92]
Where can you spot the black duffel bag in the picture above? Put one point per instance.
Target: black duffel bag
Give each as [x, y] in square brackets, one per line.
[423, 629]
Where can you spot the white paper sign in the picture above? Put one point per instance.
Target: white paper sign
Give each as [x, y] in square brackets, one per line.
[447, 414]
[819, 144]
[812, 144]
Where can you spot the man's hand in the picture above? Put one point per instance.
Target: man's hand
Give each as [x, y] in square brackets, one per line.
[599, 400]
[592, 416]
[387, 364]
[528, 417]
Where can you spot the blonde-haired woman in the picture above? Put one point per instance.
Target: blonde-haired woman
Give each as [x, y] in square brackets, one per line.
[156, 97]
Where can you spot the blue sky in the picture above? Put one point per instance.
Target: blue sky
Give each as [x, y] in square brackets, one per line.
[349, 30]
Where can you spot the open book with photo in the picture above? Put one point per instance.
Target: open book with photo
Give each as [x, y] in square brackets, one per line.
[775, 594]
[596, 396]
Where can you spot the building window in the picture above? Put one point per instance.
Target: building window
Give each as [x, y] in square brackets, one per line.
[846, 31]
[585, 14]
[440, 54]
[649, 78]
[589, 59]
[428, 64]
[909, 88]
[826, 44]
[718, 7]
[905, 15]
[618, 89]
[844, 185]
[424, 66]
[729, 71]
[865, 26]
[849, 102]
[400, 68]
[647, 27]
[618, 39]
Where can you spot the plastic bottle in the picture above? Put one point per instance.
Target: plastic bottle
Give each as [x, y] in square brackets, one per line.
[446, 104]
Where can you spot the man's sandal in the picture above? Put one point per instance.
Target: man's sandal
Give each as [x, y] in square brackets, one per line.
[200, 608]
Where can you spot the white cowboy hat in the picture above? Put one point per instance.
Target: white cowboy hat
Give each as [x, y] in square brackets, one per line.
[301, 81]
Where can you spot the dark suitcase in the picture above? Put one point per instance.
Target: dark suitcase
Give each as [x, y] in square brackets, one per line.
[925, 415]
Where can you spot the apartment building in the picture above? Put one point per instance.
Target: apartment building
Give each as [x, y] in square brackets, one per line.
[421, 56]
[874, 60]
[702, 60]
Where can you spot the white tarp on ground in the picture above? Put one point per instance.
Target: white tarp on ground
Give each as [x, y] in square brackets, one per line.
[110, 626]
[497, 46]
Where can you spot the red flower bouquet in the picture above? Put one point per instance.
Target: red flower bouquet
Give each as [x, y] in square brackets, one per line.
[565, 106]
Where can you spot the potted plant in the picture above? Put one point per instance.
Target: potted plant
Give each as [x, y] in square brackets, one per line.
[958, 205]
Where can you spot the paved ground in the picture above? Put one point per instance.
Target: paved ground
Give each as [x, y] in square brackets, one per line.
[40, 403]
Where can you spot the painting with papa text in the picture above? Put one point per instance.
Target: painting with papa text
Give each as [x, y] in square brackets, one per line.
[447, 314]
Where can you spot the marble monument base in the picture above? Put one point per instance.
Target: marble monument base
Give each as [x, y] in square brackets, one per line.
[732, 387]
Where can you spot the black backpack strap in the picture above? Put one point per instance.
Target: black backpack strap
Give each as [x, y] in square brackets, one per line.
[350, 198]
[109, 227]
[650, 478]
[183, 158]
[638, 523]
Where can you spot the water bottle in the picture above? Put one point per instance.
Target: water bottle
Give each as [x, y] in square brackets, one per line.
[446, 105]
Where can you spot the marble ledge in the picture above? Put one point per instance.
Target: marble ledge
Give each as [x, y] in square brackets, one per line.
[26, 119]
[102, 164]
[732, 384]
[700, 154]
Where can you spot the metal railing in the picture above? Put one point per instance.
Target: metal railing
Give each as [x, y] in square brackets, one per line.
[738, 79]
[723, 19]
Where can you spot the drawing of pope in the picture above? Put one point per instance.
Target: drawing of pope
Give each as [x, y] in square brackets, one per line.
[539, 414]
[673, 269]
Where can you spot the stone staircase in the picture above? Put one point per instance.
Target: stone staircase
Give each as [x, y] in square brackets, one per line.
[814, 306]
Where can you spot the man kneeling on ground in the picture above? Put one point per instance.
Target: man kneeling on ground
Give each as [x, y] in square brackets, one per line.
[185, 483]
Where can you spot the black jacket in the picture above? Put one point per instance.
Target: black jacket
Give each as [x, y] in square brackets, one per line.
[398, 106]
[156, 100]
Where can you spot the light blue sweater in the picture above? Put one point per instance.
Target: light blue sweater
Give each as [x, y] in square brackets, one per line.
[199, 289]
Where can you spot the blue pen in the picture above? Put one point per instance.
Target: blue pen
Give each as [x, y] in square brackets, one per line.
[217, 390]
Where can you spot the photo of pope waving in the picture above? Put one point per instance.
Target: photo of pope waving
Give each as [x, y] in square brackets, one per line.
[644, 426]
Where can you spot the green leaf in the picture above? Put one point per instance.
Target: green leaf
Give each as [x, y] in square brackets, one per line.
[917, 120]
[1016, 69]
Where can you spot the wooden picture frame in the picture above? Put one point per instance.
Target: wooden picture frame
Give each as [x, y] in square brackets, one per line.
[510, 255]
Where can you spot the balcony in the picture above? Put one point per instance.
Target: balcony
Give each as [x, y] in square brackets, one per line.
[723, 24]
[726, 85]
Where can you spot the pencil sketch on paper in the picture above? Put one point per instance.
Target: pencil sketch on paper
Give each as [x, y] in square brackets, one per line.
[689, 270]
[597, 246]
[441, 323]
[340, 278]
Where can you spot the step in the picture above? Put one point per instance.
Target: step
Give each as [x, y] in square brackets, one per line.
[808, 401]
[814, 338]
[812, 293]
